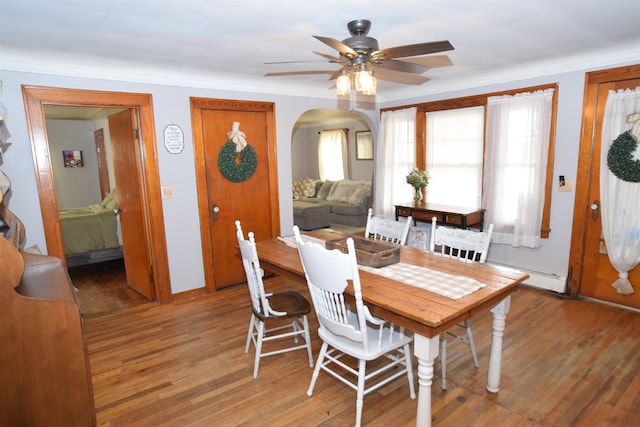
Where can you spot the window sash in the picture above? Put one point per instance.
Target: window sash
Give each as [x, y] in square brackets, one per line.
[454, 156]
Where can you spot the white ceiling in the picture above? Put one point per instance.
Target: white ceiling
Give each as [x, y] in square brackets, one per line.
[224, 44]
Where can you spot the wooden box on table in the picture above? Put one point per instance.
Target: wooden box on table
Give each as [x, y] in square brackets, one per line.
[371, 253]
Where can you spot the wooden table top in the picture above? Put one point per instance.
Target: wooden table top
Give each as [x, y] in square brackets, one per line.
[416, 309]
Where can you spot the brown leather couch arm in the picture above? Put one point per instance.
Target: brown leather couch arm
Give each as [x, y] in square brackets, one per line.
[45, 277]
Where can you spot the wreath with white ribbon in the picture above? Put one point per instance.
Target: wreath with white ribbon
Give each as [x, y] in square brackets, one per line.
[237, 160]
[620, 158]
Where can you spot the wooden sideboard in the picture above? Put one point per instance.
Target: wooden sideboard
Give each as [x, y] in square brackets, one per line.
[451, 216]
[44, 364]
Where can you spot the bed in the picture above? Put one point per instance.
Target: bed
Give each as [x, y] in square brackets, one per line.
[92, 233]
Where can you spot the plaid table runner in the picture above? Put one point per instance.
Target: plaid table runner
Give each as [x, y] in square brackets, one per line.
[447, 285]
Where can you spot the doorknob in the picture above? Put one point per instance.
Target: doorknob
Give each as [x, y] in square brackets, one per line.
[595, 207]
[215, 210]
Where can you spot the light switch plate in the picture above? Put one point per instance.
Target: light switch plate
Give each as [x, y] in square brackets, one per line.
[567, 187]
[167, 191]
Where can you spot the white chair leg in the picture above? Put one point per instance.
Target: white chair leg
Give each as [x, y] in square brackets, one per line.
[472, 345]
[260, 333]
[316, 371]
[249, 334]
[307, 337]
[409, 363]
[362, 366]
[296, 328]
[443, 359]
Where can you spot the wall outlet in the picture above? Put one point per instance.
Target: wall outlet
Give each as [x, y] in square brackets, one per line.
[167, 191]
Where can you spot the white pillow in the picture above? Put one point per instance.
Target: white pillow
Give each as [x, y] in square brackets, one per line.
[324, 191]
[342, 190]
[359, 196]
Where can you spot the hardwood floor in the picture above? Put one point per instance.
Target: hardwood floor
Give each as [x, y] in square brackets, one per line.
[101, 288]
[565, 363]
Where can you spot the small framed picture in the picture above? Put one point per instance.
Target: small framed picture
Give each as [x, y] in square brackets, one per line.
[72, 158]
[419, 237]
[364, 146]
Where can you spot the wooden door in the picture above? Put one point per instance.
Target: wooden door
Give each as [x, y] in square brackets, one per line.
[591, 273]
[135, 241]
[222, 201]
[103, 170]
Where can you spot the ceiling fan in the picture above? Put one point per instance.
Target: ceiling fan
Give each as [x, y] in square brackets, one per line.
[360, 55]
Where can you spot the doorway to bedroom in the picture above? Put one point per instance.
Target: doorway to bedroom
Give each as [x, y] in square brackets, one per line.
[145, 257]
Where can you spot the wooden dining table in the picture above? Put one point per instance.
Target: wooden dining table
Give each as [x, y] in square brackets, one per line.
[425, 313]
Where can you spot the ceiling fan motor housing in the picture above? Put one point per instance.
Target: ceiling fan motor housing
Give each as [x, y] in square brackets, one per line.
[359, 41]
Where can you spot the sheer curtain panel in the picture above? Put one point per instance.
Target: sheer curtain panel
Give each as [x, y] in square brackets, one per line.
[518, 132]
[620, 200]
[395, 157]
[332, 148]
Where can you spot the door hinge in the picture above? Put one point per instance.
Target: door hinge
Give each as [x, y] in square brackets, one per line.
[151, 277]
[136, 134]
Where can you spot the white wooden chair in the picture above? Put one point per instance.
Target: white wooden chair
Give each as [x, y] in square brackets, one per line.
[272, 308]
[347, 332]
[466, 246]
[387, 229]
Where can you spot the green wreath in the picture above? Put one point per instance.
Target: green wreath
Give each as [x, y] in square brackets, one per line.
[620, 158]
[237, 171]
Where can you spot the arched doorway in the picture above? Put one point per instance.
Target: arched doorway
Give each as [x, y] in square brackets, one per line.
[317, 207]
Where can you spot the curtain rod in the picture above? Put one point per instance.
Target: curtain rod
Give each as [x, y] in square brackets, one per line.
[342, 129]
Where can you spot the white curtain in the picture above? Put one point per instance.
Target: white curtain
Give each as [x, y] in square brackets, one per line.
[620, 200]
[331, 154]
[395, 157]
[518, 129]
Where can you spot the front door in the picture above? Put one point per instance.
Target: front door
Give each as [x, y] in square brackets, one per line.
[597, 275]
[126, 165]
[233, 186]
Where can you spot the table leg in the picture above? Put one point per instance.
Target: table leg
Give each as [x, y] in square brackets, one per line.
[500, 312]
[426, 350]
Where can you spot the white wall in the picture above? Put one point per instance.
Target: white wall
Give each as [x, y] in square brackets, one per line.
[171, 105]
[75, 187]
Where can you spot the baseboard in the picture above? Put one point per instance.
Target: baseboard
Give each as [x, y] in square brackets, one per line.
[546, 281]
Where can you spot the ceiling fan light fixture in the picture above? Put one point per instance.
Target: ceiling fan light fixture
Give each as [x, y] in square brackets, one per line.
[365, 81]
[343, 84]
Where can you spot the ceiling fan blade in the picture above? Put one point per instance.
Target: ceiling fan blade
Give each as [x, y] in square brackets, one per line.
[339, 46]
[413, 50]
[431, 61]
[402, 78]
[335, 75]
[331, 58]
[402, 66]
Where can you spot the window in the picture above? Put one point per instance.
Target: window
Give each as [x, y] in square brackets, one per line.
[455, 140]
[443, 130]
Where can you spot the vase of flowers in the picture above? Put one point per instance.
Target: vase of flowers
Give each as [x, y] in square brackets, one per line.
[418, 179]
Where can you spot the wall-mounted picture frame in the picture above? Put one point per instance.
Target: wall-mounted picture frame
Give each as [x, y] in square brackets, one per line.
[364, 146]
[72, 158]
[173, 139]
